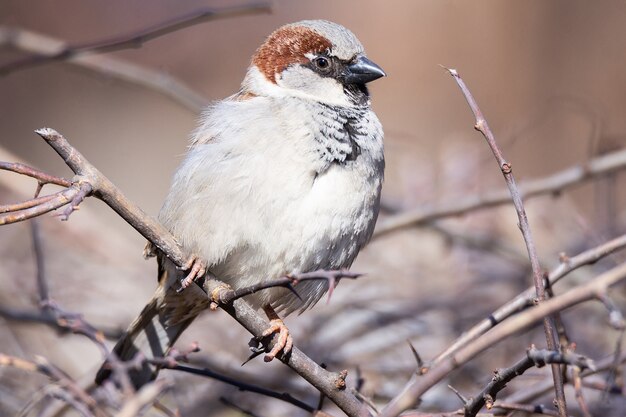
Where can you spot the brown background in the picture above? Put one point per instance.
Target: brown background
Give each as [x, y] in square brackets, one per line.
[549, 76]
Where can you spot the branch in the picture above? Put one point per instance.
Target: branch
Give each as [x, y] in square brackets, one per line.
[541, 387]
[549, 322]
[417, 386]
[144, 398]
[43, 367]
[227, 296]
[134, 39]
[502, 377]
[553, 184]
[15, 213]
[530, 409]
[40, 176]
[525, 299]
[104, 190]
[243, 386]
[329, 383]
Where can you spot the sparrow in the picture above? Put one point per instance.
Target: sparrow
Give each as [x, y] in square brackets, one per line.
[282, 177]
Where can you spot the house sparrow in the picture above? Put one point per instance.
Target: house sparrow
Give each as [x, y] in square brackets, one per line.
[282, 177]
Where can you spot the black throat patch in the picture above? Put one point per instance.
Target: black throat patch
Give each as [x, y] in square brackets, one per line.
[341, 134]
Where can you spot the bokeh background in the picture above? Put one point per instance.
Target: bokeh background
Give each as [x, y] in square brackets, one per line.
[549, 76]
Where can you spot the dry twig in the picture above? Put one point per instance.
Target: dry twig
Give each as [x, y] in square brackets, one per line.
[331, 384]
[534, 357]
[46, 49]
[525, 299]
[549, 321]
[417, 386]
[553, 184]
[134, 39]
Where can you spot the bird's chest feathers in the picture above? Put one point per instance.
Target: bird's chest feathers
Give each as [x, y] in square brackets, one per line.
[340, 135]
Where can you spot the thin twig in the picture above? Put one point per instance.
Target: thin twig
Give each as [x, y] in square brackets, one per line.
[137, 38]
[43, 367]
[40, 176]
[532, 409]
[144, 398]
[59, 200]
[540, 388]
[549, 322]
[534, 358]
[550, 185]
[289, 281]
[525, 299]
[330, 383]
[418, 385]
[49, 319]
[243, 386]
[578, 390]
[7, 208]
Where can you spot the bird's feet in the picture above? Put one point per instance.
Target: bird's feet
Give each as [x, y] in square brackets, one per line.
[284, 342]
[196, 268]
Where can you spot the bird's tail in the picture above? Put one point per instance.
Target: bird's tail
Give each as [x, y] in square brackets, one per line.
[156, 329]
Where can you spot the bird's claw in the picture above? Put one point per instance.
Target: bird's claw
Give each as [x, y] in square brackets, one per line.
[196, 268]
[284, 342]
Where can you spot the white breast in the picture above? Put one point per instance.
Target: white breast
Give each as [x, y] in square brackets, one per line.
[255, 200]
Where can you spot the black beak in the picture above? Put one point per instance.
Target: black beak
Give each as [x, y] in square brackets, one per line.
[361, 71]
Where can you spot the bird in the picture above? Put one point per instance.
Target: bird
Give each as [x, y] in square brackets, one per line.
[282, 177]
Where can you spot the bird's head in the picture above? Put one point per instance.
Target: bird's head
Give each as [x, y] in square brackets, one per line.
[314, 59]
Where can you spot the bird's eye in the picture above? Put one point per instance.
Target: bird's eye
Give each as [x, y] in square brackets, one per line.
[321, 62]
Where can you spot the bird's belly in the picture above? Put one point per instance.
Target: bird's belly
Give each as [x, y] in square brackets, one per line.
[320, 225]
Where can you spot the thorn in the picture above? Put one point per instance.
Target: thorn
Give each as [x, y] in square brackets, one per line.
[418, 358]
[458, 394]
[293, 290]
[332, 282]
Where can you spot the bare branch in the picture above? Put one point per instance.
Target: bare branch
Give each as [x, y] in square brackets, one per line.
[533, 409]
[137, 38]
[145, 398]
[227, 296]
[540, 388]
[329, 383]
[534, 357]
[549, 321]
[243, 386]
[553, 184]
[43, 367]
[578, 390]
[41, 207]
[525, 299]
[40, 176]
[417, 386]
[104, 190]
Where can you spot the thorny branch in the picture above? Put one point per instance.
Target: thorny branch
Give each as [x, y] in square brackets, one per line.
[418, 385]
[461, 352]
[549, 321]
[534, 358]
[227, 296]
[331, 384]
[553, 184]
[76, 324]
[525, 299]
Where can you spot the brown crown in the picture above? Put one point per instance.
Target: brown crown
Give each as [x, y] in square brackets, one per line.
[286, 46]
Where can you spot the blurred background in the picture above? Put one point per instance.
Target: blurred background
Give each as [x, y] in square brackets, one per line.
[549, 77]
